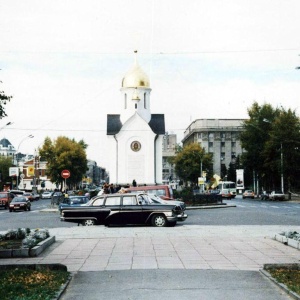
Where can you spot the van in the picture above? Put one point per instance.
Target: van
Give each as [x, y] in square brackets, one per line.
[17, 192]
[163, 191]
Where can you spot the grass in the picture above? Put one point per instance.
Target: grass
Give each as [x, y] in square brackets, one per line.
[289, 277]
[27, 284]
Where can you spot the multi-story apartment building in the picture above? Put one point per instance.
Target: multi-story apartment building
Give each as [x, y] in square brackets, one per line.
[220, 137]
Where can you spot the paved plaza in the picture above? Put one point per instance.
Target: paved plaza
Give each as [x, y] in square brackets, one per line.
[101, 248]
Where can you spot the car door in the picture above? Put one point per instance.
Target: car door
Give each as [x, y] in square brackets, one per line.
[112, 207]
[98, 210]
[131, 210]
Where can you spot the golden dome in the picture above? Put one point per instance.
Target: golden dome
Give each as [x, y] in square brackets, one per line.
[135, 77]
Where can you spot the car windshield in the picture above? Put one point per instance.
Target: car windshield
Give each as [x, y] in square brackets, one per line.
[3, 196]
[145, 199]
[19, 199]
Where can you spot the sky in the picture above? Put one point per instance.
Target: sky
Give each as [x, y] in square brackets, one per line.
[63, 62]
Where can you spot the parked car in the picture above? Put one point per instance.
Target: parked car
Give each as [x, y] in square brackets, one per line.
[20, 203]
[226, 194]
[35, 196]
[5, 199]
[17, 192]
[277, 195]
[73, 201]
[215, 191]
[248, 194]
[156, 199]
[28, 196]
[47, 195]
[265, 195]
[57, 197]
[121, 209]
[163, 191]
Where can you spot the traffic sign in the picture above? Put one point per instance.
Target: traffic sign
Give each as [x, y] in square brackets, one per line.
[13, 171]
[65, 174]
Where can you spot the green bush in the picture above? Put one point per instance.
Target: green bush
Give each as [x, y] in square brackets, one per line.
[186, 194]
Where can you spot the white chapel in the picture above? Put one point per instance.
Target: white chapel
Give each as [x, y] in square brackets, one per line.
[135, 135]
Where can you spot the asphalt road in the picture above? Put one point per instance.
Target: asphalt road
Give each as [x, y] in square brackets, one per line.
[246, 212]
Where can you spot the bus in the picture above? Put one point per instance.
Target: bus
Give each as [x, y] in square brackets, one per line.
[229, 186]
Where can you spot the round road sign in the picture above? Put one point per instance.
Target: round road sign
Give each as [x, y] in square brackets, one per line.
[65, 174]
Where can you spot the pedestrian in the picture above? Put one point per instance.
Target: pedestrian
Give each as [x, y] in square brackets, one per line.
[134, 183]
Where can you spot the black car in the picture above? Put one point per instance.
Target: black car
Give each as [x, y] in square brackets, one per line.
[122, 209]
[73, 201]
[20, 203]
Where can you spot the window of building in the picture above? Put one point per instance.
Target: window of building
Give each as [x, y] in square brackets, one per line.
[200, 135]
[222, 134]
[222, 144]
[210, 144]
[211, 135]
[233, 155]
[222, 155]
[233, 144]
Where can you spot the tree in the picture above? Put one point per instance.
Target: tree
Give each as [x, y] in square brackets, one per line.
[254, 138]
[188, 162]
[64, 154]
[3, 100]
[268, 133]
[5, 164]
[282, 155]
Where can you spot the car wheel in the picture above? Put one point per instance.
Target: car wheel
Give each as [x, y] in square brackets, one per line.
[10, 210]
[89, 222]
[159, 221]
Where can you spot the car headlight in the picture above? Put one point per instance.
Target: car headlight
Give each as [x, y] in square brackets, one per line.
[168, 214]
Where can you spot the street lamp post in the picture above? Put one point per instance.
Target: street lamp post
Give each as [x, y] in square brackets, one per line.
[7, 124]
[281, 168]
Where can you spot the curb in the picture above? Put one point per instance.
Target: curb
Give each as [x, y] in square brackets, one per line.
[281, 285]
[28, 252]
[210, 206]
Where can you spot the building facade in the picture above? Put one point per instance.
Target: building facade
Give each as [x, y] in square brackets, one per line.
[7, 149]
[135, 135]
[220, 137]
[168, 151]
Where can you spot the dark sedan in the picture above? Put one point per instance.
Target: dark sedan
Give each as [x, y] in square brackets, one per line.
[20, 203]
[122, 209]
[73, 201]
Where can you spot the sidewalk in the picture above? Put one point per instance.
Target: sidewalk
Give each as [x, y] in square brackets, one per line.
[99, 248]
